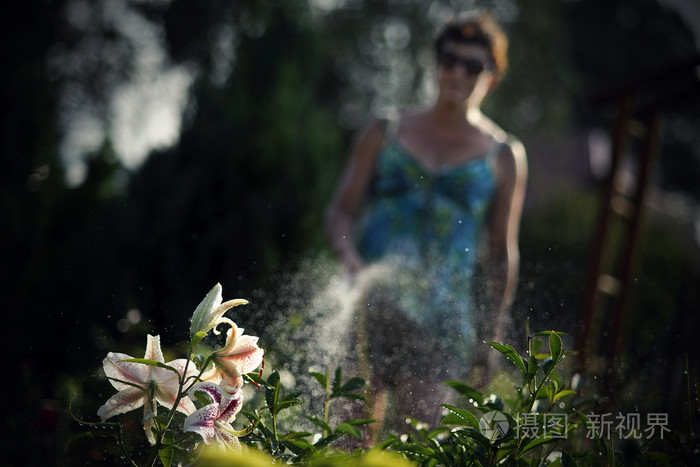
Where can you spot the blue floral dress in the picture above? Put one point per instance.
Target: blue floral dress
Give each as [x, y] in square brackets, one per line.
[425, 226]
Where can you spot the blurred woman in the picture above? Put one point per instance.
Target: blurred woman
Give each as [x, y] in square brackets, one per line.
[415, 196]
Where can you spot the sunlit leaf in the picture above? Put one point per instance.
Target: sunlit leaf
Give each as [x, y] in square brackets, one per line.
[361, 421]
[319, 423]
[416, 449]
[555, 347]
[536, 344]
[537, 442]
[295, 435]
[291, 396]
[166, 456]
[323, 442]
[348, 429]
[564, 393]
[511, 354]
[287, 404]
[197, 338]
[464, 417]
[549, 333]
[320, 377]
[466, 391]
[298, 446]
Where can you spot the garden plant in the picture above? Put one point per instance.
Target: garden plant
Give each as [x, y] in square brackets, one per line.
[194, 412]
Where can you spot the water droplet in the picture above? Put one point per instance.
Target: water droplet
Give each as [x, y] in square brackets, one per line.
[133, 316]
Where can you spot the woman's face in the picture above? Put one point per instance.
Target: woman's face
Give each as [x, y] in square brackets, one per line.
[464, 72]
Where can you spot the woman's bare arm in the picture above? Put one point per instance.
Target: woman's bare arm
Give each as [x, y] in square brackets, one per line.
[503, 253]
[350, 194]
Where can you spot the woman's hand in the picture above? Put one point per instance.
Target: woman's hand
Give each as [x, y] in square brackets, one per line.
[349, 196]
[352, 261]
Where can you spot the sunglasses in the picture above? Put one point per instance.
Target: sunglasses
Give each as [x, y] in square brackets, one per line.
[448, 60]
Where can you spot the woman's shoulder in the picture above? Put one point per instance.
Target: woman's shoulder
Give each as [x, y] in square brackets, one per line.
[509, 143]
[510, 156]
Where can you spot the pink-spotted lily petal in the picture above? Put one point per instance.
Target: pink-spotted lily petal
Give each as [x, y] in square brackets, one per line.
[137, 383]
[213, 421]
[239, 356]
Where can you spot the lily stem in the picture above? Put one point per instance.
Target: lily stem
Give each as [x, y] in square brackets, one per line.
[180, 394]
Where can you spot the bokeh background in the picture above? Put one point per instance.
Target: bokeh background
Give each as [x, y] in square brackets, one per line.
[152, 148]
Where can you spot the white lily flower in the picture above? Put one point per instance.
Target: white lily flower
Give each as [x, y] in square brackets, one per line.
[144, 385]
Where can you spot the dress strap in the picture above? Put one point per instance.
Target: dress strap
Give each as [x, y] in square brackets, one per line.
[499, 141]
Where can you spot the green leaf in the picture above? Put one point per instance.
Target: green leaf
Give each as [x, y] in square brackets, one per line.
[274, 379]
[555, 347]
[272, 393]
[475, 435]
[337, 381]
[202, 311]
[532, 366]
[466, 391]
[542, 393]
[416, 449]
[299, 446]
[348, 429]
[537, 442]
[197, 338]
[168, 437]
[320, 377]
[146, 361]
[602, 448]
[536, 344]
[353, 385]
[564, 393]
[323, 442]
[549, 333]
[166, 456]
[295, 435]
[465, 418]
[287, 404]
[291, 396]
[361, 421]
[511, 354]
[319, 423]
